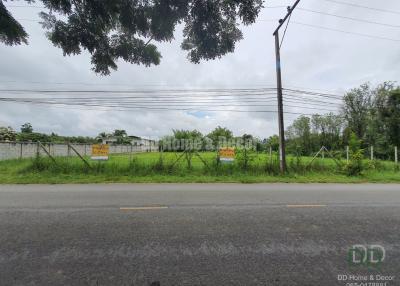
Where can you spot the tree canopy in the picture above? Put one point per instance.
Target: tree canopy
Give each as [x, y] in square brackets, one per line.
[26, 128]
[126, 29]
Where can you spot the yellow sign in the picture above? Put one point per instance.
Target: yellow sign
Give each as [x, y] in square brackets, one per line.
[227, 154]
[100, 152]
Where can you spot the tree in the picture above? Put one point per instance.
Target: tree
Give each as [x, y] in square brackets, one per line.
[27, 128]
[124, 29]
[120, 133]
[7, 134]
[356, 109]
[187, 134]
[390, 115]
[218, 134]
[326, 130]
[11, 32]
[300, 134]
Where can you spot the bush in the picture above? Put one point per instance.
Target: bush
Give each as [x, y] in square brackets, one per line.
[355, 166]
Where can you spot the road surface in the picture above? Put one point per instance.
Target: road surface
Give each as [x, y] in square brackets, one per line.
[196, 234]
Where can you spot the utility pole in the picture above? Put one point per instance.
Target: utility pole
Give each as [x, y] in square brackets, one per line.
[282, 153]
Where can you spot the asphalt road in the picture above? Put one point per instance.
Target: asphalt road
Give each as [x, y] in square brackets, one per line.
[268, 234]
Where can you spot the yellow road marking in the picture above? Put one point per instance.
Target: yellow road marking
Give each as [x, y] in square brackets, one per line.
[142, 208]
[306, 206]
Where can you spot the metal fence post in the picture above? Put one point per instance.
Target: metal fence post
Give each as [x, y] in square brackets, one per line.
[37, 149]
[270, 155]
[372, 153]
[20, 151]
[347, 154]
[395, 155]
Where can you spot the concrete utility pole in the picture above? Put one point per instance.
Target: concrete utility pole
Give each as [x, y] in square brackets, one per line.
[282, 153]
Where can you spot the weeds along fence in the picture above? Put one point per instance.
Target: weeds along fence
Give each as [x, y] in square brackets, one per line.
[202, 164]
[22, 150]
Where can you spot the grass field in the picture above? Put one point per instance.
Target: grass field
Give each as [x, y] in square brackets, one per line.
[156, 167]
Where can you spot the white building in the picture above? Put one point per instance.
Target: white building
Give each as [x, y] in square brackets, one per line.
[137, 142]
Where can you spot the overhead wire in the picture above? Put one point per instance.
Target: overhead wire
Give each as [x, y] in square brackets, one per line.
[363, 6]
[348, 18]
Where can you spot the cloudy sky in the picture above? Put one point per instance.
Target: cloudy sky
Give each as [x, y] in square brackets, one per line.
[312, 58]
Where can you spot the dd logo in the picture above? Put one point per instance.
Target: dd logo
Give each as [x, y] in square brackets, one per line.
[371, 255]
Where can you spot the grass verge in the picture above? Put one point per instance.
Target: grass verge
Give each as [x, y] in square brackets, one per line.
[165, 168]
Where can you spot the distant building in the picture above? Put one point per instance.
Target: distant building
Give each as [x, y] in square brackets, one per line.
[146, 144]
[143, 144]
[110, 140]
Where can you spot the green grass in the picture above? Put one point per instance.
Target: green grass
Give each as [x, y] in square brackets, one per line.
[150, 168]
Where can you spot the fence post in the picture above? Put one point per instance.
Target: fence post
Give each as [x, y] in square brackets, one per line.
[270, 155]
[395, 155]
[347, 154]
[20, 151]
[372, 153]
[68, 150]
[37, 149]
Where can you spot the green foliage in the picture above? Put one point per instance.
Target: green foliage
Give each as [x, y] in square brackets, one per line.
[120, 29]
[27, 128]
[187, 134]
[273, 142]
[356, 109]
[307, 134]
[220, 134]
[7, 134]
[245, 157]
[155, 167]
[355, 165]
[120, 133]
[11, 32]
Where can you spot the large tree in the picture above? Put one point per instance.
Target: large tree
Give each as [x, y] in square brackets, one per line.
[220, 134]
[356, 109]
[125, 29]
[7, 134]
[388, 116]
[27, 128]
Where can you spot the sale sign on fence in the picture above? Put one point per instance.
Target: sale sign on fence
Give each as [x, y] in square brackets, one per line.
[227, 154]
[100, 152]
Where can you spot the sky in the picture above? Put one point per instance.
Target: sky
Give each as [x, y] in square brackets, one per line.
[312, 58]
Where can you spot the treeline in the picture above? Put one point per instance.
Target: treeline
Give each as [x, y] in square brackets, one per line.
[371, 114]
[220, 136]
[27, 134]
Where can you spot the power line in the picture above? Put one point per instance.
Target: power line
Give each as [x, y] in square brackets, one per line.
[284, 33]
[362, 6]
[349, 18]
[346, 32]
[162, 108]
[319, 94]
[309, 101]
[161, 91]
[337, 30]
[261, 86]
